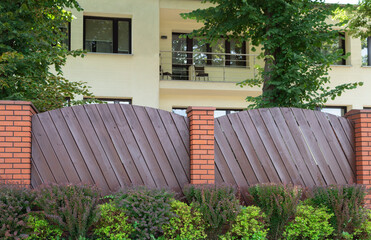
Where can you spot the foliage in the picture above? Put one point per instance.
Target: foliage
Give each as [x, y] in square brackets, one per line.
[31, 42]
[290, 33]
[309, 223]
[357, 19]
[148, 209]
[218, 204]
[345, 203]
[186, 224]
[278, 202]
[71, 207]
[113, 223]
[15, 203]
[364, 231]
[41, 229]
[250, 224]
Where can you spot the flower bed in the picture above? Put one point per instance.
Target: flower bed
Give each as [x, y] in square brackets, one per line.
[207, 212]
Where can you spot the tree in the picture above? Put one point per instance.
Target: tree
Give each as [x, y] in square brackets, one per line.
[31, 43]
[292, 34]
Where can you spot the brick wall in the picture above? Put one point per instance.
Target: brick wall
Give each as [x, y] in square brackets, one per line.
[201, 126]
[362, 132]
[15, 141]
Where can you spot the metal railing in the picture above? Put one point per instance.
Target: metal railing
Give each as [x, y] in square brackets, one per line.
[207, 66]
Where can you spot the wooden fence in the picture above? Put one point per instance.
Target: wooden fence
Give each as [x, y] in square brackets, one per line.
[111, 146]
[115, 146]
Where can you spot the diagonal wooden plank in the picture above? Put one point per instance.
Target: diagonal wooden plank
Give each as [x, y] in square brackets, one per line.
[343, 140]
[182, 124]
[226, 176]
[48, 152]
[131, 144]
[339, 155]
[35, 176]
[324, 146]
[106, 142]
[82, 144]
[227, 153]
[237, 150]
[59, 148]
[292, 168]
[312, 144]
[119, 145]
[176, 140]
[260, 150]
[292, 136]
[144, 145]
[40, 163]
[71, 148]
[348, 127]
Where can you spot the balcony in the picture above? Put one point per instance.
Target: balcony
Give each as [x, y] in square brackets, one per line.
[207, 66]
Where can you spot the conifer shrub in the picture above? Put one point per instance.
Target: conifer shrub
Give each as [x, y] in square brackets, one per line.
[113, 223]
[250, 224]
[187, 223]
[15, 203]
[73, 208]
[345, 202]
[148, 210]
[278, 202]
[310, 223]
[218, 205]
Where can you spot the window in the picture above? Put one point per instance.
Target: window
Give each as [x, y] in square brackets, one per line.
[338, 111]
[217, 113]
[66, 30]
[366, 51]
[339, 44]
[114, 100]
[107, 35]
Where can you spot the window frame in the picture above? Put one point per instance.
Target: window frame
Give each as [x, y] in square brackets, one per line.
[114, 100]
[115, 34]
[344, 108]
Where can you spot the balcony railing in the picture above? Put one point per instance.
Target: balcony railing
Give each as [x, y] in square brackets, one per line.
[207, 66]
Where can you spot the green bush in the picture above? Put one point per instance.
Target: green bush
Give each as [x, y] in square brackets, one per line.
[41, 229]
[113, 223]
[250, 224]
[278, 202]
[71, 207]
[364, 230]
[147, 209]
[186, 224]
[15, 203]
[309, 223]
[345, 203]
[218, 204]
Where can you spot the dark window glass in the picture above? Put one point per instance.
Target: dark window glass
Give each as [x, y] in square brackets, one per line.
[366, 51]
[107, 35]
[339, 44]
[66, 30]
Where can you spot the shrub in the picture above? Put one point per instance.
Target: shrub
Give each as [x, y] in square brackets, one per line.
[364, 231]
[186, 224]
[249, 225]
[218, 204]
[15, 203]
[345, 203]
[71, 207]
[113, 223]
[41, 229]
[147, 209]
[278, 202]
[309, 223]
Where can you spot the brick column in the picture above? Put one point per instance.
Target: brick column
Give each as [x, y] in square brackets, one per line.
[201, 126]
[15, 141]
[362, 134]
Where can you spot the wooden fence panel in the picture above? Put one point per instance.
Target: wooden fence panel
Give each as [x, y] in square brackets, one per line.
[112, 146]
[285, 145]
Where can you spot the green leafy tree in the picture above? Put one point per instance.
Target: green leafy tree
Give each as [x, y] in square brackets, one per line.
[31, 45]
[291, 34]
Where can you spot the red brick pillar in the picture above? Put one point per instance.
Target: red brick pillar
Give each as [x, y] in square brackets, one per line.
[15, 141]
[362, 134]
[201, 126]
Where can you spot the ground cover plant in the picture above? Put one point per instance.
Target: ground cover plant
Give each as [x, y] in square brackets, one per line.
[69, 212]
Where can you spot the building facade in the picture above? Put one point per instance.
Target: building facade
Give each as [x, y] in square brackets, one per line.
[136, 54]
